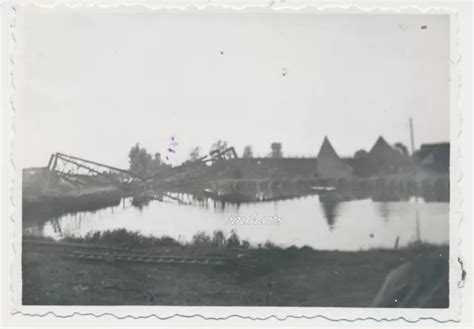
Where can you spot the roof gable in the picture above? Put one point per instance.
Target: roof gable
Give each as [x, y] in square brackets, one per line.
[383, 152]
[327, 151]
[329, 164]
[380, 146]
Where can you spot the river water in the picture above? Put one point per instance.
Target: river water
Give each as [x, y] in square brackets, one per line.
[353, 225]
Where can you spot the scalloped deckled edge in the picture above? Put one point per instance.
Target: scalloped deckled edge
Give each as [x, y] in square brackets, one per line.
[274, 317]
[11, 100]
[274, 5]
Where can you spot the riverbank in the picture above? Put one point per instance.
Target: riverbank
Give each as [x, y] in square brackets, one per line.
[243, 276]
[47, 195]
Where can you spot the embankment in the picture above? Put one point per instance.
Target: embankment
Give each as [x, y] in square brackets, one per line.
[259, 277]
[45, 195]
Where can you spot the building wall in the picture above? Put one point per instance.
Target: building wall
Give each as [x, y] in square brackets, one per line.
[329, 167]
[434, 157]
[258, 168]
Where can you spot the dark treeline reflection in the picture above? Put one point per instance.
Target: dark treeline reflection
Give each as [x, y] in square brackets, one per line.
[331, 211]
[340, 224]
[330, 207]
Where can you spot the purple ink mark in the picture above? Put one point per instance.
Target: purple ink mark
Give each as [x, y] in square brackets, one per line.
[151, 296]
[171, 147]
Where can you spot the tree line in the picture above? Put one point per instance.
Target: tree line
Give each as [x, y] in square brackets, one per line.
[146, 164]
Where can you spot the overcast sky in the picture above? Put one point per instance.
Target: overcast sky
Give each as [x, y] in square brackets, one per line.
[97, 84]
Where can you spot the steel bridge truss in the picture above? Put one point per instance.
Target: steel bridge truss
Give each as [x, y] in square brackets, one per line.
[79, 172]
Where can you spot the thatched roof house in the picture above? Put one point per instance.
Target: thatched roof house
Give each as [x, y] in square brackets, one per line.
[382, 159]
[329, 164]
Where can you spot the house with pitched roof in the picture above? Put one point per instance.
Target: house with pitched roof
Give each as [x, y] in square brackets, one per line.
[329, 164]
[434, 157]
[381, 160]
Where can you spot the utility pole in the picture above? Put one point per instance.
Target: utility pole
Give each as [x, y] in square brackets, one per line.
[412, 137]
[417, 218]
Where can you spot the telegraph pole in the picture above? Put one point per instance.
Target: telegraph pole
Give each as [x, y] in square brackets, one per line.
[412, 137]
[412, 140]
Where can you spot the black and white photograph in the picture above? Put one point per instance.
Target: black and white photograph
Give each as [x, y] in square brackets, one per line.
[234, 158]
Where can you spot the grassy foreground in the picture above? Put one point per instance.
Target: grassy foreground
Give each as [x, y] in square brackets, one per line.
[267, 275]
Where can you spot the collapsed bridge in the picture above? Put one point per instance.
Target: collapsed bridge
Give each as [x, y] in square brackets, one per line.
[81, 172]
[78, 171]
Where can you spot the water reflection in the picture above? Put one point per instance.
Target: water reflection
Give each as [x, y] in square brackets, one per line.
[55, 223]
[360, 224]
[384, 210]
[140, 203]
[330, 209]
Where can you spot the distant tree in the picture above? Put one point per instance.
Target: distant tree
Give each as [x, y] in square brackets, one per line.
[248, 152]
[270, 245]
[401, 148]
[194, 155]
[140, 160]
[276, 150]
[133, 152]
[201, 239]
[233, 240]
[219, 145]
[360, 154]
[218, 239]
[156, 162]
[143, 163]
